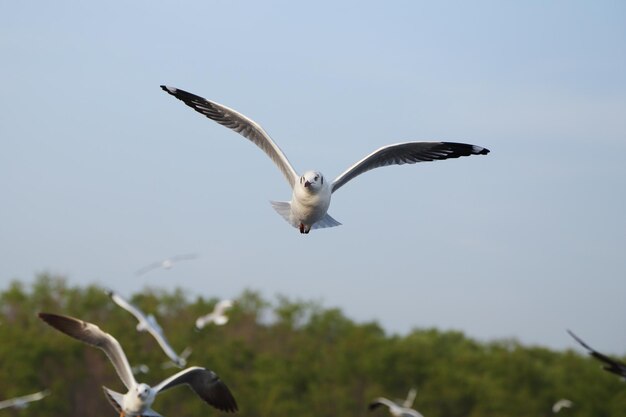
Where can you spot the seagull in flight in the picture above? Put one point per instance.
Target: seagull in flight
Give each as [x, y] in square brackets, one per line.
[311, 191]
[217, 316]
[23, 401]
[610, 365]
[560, 404]
[395, 409]
[139, 398]
[149, 323]
[166, 263]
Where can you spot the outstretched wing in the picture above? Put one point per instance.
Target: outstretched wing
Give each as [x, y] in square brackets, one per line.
[236, 121]
[381, 401]
[128, 306]
[407, 153]
[92, 335]
[611, 365]
[206, 384]
[144, 270]
[167, 348]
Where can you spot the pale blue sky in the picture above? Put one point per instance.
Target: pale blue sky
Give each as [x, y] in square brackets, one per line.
[101, 172]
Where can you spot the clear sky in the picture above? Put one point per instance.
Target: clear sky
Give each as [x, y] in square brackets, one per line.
[101, 172]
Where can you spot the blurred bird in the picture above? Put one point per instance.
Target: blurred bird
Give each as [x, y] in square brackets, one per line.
[165, 263]
[311, 192]
[562, 403]
[611, 365]
[217, 316]
[22, 402]
[140, 396]
[140, 369]
[395, 409]
[149, 323]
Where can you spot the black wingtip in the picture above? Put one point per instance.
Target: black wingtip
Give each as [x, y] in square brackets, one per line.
[484, 151]
[579, 340]
[373, 406]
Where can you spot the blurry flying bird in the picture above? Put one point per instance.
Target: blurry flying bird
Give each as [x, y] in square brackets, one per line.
[611, 365]
[562, 403]
[395, 409]
[149, 323]
[217, 316]
[165, 263]
[23, 401]
[140, 396]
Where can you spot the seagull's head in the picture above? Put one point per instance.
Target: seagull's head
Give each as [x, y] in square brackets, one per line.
[144, 392]
[313, 181]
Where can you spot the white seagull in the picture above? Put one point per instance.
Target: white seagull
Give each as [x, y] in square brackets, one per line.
[311, 192]
[23, 401]
[610, 365]
[560, 404]
[217, 316]
[149, 323]
[165, 263]
[140, 396]
[395, 409]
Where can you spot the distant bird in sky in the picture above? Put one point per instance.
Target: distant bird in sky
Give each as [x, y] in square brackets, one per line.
[560, 404]
[23, 401]
[217, 316]
[140, 396]
[165, 263]
[311, 192]
[395, 409]
[149, 323]
[611, 365]
[140, 369]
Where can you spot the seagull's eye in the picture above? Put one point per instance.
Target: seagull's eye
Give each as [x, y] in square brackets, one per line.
[316, 178]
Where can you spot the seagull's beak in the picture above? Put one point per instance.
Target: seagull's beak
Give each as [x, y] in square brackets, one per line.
[306, 184]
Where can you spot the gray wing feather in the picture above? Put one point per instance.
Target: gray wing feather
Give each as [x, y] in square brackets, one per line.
[206, 384]
[92, 335]
[407, 153]
[241, 124]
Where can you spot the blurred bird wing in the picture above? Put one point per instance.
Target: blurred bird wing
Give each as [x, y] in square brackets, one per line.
[206, 384]
[131, 308]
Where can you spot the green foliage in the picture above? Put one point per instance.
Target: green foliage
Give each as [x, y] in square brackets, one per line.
[283, 359]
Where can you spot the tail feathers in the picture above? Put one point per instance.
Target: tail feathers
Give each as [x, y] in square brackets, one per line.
[326, 221]
[115, 398]
[284, 209]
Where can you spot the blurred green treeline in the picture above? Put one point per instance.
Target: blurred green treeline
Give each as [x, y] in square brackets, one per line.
[284, 358]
